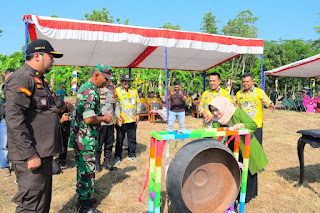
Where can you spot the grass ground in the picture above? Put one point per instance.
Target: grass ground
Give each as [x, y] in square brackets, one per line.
[118, 191]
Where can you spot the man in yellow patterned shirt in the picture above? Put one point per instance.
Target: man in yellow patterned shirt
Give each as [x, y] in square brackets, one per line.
[251, 100]
[127, 111]
[152, 98]
[208, 95]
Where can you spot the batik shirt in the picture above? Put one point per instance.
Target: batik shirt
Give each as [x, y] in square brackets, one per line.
[189, 101]
[84, 136]
[127, 104]
[251, 102]
[206, 98]
[152, 99]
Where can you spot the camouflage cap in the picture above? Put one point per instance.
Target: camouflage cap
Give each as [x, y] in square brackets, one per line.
[104, 69]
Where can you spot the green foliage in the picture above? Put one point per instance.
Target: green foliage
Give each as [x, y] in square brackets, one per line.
[170, 26]
[102, 16]
[209, 23]
[242, 25]
[0, 32]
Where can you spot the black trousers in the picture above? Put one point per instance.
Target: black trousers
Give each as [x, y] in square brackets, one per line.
[131, 130]
[35, 187]
[106, 139]
[65, 138]
[258, 134]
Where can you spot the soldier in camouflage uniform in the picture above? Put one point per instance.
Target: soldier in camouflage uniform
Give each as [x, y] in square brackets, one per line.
[85, 132]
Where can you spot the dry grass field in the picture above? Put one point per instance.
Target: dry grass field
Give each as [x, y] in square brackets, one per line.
[118, 191]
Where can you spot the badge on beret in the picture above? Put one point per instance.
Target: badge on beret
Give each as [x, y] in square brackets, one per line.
[43, 102]
[127, 76]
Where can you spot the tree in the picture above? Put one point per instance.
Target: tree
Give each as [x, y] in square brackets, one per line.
[209, 23]
[170, 26]
[243, 25]
[102, 16]
[0, 32]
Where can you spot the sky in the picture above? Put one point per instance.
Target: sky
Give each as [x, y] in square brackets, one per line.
[277, 19]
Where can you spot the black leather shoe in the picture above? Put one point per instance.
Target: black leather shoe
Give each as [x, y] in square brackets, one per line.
[88, 209]
[109, 166]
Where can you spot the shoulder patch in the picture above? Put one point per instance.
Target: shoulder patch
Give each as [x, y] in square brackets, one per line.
[24, 90]
[37, 79]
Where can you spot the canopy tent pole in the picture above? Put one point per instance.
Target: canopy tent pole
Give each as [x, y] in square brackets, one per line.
[26, 24]
[204, 81]
[166, 70]
[130, 72]
[310, 83]
[263, 78]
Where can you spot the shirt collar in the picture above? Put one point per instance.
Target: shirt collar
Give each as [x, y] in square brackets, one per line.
[250, 90]
[91, 84]
[217, 90]
[125, 89]
[32, 70]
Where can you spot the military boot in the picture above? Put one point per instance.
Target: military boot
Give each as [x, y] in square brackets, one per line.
[109, 165]
[88, 209]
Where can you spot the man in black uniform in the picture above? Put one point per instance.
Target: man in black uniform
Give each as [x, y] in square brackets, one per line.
[33, 128]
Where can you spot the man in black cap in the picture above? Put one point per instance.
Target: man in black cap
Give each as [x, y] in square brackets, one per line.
[127, 113]
[33, 128]
[177, 98]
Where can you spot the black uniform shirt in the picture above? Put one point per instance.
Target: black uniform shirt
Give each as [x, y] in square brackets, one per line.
[31, 116]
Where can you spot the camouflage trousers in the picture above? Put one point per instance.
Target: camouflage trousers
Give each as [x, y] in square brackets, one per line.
[85, 163]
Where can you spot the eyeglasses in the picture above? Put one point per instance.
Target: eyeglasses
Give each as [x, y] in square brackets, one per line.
[214, 111]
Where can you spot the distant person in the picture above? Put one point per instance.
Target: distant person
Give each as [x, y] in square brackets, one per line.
[33, 128]
[207, 96]
[148, 96]
[189, 104]
[251, 99]
[152, 98]
[65, 112]
[141, 96]
[158, 97]
[177, 99]
[4, 162]
[61, 92]
[274, 96]
[289, 94]
[84, 135]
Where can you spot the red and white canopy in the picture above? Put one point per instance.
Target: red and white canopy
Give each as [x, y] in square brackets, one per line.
[306, 68]
[85, 43]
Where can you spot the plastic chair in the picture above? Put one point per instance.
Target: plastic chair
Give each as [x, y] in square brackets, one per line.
[287, 104]
[291, 101]
[195, 108]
